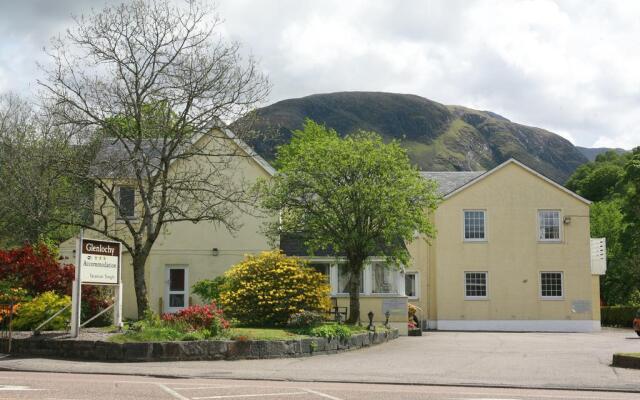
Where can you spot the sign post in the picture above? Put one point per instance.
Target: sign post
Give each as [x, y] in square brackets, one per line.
[98, 262]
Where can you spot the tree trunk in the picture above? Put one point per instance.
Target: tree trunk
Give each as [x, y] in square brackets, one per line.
[140, 284]
[355, 267]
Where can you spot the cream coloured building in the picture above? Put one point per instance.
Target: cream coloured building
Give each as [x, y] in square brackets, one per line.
[186, 253]
[512, 252]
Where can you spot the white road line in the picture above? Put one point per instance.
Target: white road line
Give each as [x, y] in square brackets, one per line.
[172, 392]
[208, 387]
[326, 396]
[13, 388]
[237, 396]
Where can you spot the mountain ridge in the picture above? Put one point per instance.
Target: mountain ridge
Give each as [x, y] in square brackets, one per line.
[437, 137]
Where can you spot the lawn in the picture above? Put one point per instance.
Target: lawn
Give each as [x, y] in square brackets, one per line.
[166, 334]
[263, 334]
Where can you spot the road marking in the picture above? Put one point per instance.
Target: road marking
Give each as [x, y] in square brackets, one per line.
[237, 396]
[11, 388]
[326, 396]
[172, 392]
[208, 387]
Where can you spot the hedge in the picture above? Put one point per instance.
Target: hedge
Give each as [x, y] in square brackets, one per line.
[621, 316]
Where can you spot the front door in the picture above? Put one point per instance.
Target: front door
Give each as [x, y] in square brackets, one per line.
[176, 288]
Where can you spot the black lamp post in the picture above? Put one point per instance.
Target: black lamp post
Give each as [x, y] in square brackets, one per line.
[370, 315]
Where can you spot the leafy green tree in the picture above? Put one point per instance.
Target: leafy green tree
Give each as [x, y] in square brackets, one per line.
[612, 181]
[357, 196]
[631, 203]
[601, 179]
[35, 191]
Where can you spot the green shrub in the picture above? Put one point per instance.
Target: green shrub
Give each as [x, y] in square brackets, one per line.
[265, 290]
[202, 334]
[33, 313]
[331, 331]
[209, 289]
[634, 299]
[621, 316]
[305, 319]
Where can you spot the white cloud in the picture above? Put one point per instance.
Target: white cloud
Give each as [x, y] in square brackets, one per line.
[572, 67]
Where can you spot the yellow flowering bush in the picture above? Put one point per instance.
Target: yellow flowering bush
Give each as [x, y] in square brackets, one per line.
[36, 311]
[265, 289]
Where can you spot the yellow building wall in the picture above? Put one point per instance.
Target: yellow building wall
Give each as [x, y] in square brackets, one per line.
[191, 245]
[512, 256]
[397, 316]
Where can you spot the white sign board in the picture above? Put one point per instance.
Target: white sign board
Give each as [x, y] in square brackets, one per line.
[100, 262]
[598, 256]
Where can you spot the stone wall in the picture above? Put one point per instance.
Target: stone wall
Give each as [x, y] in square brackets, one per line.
[195, 350]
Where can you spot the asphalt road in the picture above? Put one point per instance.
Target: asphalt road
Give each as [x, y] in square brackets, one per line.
[49, 386]
[540, 360]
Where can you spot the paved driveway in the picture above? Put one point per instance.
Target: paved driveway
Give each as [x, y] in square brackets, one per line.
[568, 360]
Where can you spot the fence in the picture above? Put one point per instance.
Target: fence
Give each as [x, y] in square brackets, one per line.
[6, 319]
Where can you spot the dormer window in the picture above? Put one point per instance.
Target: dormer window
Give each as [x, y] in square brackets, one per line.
[126, 202]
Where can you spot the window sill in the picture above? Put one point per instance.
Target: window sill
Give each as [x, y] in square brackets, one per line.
[123, 220]
[476, 298]
[552, 298]
[474, 240]
[549, 241]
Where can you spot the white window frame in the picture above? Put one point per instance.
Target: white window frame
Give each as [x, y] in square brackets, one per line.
[561, 285]
[119, 216]
[416, 274]
[364, 283]
[367, 281]
[464, 225]
[464, 286]
[560, 228]
[324, 262]
[393, 276]
[168, 292]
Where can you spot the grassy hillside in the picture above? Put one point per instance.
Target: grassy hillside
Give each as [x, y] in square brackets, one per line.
[437, 137]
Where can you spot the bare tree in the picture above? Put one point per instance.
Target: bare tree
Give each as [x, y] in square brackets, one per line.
[149, 86]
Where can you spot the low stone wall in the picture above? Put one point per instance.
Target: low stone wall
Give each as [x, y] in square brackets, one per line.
[626, 360]
[195, 350]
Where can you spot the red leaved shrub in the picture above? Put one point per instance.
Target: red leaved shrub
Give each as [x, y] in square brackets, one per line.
[36, 269]
[199, 317]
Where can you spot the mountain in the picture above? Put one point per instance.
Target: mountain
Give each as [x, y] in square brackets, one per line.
[592, 153]
[437, 137]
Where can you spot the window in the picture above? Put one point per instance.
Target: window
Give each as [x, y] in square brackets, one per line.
[343, 279]
[474, 225]
[176, 289]
[551, 285]
[323, 268]
[411, 284]
[383, 278]
[126, 202]
[549, 225]
[475, 285]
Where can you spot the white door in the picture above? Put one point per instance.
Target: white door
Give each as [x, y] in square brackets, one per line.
[176, 288]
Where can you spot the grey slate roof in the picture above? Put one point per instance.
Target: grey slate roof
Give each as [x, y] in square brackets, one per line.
[451, 180]
[114, 161]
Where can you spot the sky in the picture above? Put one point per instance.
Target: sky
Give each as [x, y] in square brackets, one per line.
[570, 66]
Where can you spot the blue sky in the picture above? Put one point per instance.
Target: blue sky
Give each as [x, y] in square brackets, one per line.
[572, 67]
